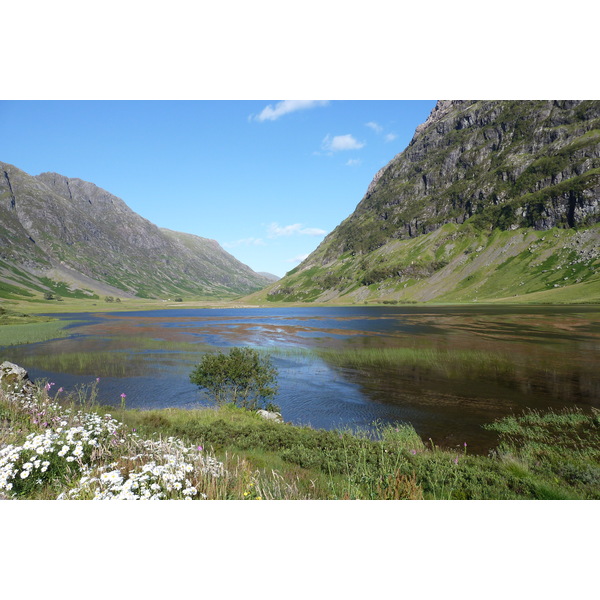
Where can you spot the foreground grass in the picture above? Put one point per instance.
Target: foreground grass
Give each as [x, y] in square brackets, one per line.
[53, 448]
[551, 456]
[555, 455]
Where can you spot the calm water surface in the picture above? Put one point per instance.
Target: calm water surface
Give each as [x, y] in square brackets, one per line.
[553, 352]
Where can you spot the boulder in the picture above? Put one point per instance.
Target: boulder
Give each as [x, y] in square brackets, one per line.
[14, 376]
[271, 416]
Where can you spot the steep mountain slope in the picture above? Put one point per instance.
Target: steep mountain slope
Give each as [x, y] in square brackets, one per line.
[68, 235]
[490, 200]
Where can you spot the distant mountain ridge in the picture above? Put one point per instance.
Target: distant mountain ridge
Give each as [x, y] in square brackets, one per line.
[463, 210]
[269, 276]
[64, 233]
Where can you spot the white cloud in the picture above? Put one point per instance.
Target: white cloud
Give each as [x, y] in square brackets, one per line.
[245, 242]
[270, 113]
[374, 126]
[353, 162]
[378, 129]
[312, 231]
[341, 142]
[297, 259]
[275, 230]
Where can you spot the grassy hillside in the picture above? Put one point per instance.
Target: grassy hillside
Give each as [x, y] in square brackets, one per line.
[455, 264]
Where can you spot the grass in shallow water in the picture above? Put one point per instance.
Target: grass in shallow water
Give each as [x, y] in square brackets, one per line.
[29, 333]
[450, 363]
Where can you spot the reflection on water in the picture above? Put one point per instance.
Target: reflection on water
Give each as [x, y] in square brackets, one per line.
[549, 358]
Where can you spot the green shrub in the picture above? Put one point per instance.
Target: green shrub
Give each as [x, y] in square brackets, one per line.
[243, 377]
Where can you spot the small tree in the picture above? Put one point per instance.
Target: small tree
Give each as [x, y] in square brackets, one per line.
[243, 377]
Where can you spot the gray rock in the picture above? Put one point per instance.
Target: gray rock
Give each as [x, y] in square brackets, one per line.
[270, 416]
[11, 374]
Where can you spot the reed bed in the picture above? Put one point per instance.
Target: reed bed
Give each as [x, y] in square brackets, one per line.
[29, 333]
[450, 363]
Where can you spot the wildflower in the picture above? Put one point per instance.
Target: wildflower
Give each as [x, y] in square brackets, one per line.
[60, 390]
[199, 448]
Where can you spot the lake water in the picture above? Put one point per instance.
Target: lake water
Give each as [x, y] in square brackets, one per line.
[552, 356]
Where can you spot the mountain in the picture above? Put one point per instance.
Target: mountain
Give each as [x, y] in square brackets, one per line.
[269, 276]
[73, 238]
[490, 200]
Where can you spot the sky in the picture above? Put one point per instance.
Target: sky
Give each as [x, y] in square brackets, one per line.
[267, 179]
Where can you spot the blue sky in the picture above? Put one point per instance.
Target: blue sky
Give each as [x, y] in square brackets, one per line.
[266, 178]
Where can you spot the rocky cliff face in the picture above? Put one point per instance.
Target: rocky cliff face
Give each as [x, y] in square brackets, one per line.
[56, 227]
[475, 167]
[505, 164]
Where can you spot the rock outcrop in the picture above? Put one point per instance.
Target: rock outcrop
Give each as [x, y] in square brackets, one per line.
[500, 164]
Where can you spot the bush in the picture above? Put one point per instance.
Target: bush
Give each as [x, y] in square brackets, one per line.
[244, 377]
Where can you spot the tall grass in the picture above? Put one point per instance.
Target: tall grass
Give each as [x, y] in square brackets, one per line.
[28, 333]
[450, 363]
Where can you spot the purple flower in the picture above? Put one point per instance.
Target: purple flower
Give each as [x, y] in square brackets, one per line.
[97, 379]
[123, 395]
[413, 451]
[199, 448]
[456, 460]
[60, 390]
